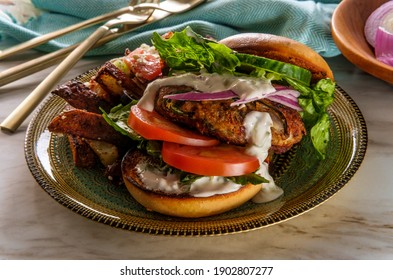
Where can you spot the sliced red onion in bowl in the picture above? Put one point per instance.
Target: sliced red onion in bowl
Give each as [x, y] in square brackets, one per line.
[384, 46]
[381, 17]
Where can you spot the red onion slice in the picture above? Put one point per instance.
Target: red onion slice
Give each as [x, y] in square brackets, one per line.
[285, 99]
[280, 87]
[286, 91]
[284, 96]
[244, 101]
[381, 17]
[384, 46]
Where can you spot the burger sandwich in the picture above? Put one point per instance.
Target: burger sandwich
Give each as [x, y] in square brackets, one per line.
[211, 116]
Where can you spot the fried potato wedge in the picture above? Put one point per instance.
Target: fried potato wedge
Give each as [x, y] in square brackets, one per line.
[82, 154]
[113, 80]
[87, 125]
[80, 96]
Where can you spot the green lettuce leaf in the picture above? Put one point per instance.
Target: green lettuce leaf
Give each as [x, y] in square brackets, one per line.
[314, 101]
[252, 178]
[187, 51]
[117, 118]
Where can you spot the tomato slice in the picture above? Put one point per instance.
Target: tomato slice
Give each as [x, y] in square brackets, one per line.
[220, 160]
[153, 126]
[145, 63]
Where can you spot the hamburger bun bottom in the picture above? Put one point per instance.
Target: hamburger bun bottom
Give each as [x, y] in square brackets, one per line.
[191, 207]
[178, 206]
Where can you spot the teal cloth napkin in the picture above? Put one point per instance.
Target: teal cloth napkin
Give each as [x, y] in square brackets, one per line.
[304, 21]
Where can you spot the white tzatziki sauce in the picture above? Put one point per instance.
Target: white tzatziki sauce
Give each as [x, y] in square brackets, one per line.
[258, 132]
[245, 87]
[206, 186]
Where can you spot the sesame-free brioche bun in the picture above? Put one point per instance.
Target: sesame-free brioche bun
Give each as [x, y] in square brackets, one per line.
[180, 206]
[282, 49]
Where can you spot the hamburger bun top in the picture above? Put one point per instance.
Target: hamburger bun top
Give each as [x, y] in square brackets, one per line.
[282, 49]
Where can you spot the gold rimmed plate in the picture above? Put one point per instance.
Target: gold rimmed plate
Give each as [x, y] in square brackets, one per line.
[307, 181]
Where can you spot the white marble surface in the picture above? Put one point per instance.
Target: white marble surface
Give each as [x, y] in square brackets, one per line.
[356, 223]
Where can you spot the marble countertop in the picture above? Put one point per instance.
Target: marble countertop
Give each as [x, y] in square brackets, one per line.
[356, 223]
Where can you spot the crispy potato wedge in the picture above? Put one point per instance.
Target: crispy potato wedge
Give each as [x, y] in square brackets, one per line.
[80, 96]
[111, 78]
[83, 155]
[116, 82]
[87, 125]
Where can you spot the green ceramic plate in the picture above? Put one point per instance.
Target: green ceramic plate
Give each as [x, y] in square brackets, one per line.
[306, 181]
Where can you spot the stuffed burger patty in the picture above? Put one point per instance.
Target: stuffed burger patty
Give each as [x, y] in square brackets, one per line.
[209, 126]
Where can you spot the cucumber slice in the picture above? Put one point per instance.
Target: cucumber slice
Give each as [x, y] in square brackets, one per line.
[281, 68]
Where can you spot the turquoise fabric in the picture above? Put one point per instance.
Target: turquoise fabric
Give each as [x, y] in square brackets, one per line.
[304, 21]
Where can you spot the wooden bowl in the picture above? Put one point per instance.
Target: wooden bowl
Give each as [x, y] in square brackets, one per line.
[348, 23]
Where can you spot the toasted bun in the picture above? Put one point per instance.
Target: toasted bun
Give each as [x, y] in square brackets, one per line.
[180, 206]
[191, 207]
[282, 49]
